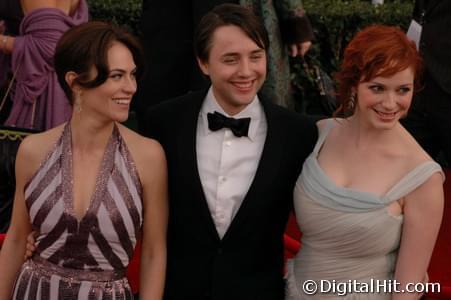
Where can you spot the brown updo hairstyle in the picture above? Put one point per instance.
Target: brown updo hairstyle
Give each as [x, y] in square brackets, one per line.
[377, 50]
[85, 47]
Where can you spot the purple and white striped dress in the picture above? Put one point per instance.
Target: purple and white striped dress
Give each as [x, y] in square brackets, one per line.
[86, 258]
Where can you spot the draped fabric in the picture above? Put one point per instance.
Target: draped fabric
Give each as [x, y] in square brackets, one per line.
[347, 234]
[88, 254]
[38, 100]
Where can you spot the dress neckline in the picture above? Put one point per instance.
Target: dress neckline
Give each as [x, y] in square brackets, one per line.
[385, 197]
[106, 165]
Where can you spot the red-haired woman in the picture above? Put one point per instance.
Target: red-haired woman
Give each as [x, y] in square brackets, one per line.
[369, 200]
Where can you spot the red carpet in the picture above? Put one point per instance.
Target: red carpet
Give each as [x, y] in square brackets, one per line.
[440, 265]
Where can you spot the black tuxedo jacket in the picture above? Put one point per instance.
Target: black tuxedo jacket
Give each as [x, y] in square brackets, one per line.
[167, 28]
[435, 44]
[247, 263]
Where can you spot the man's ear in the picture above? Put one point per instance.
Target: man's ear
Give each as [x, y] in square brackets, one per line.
[203, 66]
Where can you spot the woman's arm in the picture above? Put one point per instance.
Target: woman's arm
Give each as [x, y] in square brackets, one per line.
[423, 210]
[13, 249]
[295, 27]
[6, 43]
[155, 210]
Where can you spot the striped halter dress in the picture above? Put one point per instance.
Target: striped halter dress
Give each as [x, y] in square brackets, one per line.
[82, 258]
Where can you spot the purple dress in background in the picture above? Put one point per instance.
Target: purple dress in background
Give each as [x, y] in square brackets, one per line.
[38, 100]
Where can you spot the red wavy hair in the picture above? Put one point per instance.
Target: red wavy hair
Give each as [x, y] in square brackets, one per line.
[377, 50]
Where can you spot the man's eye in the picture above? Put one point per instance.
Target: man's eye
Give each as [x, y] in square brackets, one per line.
[256, 57]
[230, 60]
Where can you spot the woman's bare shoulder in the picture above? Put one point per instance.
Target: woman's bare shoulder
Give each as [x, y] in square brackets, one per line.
[66, 6]
[35, 147]
[40, 143]
[147, 154]
[323, 123]
[142, 147]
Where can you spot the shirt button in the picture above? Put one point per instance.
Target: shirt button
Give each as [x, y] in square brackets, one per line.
[228, 143]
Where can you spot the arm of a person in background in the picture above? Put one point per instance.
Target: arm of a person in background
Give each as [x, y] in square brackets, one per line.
[13, 249]
[6, 43]
[299, 49]
[295, 26]
[155, 217]
[423, 211]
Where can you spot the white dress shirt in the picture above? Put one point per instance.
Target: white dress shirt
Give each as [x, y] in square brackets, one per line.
[227, 164]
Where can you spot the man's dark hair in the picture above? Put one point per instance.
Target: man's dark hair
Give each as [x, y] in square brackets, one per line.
[225, 15]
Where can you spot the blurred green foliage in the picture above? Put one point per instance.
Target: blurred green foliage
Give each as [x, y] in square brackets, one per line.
[334, 21]
[124, 12]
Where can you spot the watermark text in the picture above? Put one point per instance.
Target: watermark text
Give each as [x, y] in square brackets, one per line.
[376, 286]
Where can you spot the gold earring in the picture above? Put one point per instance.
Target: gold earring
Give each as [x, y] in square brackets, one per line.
[351, 103]
[78, 101]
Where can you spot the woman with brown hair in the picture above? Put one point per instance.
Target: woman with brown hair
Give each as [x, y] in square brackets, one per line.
[89, 187]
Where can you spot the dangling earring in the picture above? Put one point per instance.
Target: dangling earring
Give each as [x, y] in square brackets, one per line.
[351, 103]
[77, 104]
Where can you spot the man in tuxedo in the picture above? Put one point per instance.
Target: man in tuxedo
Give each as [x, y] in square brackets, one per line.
[429, 117]
[168, 28]
[233, 160]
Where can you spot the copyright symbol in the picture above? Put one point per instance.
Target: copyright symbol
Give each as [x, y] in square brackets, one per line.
[310, 287]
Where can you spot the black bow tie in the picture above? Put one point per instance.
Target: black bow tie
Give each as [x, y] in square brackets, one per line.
[239, 127]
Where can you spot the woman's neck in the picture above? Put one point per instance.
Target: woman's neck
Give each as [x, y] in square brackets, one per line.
[363, 136]
[90, 135]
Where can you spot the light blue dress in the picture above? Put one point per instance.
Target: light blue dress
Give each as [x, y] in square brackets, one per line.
[347, 234]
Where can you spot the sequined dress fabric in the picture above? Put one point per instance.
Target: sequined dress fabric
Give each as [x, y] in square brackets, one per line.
[82, 258]
[349, 236]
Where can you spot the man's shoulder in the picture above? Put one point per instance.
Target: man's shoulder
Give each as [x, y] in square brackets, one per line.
[291, 118]
[178, 104]
[300, 129]
[169, 114]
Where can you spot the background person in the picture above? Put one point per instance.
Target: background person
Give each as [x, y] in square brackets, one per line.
[38, 101]
[428, 120]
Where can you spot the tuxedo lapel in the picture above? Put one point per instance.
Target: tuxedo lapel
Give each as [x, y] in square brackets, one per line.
[269, 163]
[187, 161]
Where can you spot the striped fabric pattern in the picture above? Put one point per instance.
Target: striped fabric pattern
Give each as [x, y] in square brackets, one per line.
[102, 241]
